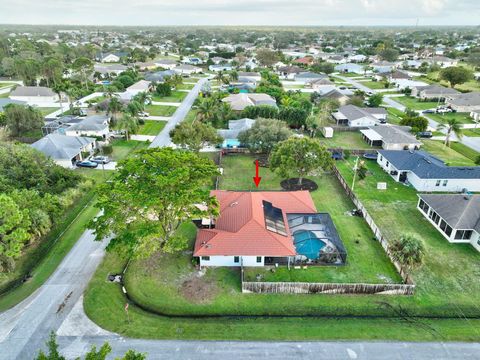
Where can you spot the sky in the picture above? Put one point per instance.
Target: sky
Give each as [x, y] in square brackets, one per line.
[241, 12]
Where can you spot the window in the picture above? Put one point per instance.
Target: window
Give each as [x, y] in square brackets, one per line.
[259, 259]
[381, 158]
[445, 228]
[463, 234]
[387, 164]
[236, 259]
[206, 258]
[438, 182]
[423, 205]
[434, 216]
[445, 182]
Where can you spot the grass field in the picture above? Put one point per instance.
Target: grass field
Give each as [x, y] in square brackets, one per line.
[465, 150]
[464, 118]
[415, 104]
[151, 127]
[394, 115]
[447, 154]
[345, 140]
[121, 148]
[376, 85]
[176, 96]
[47, 110]
[160, 110]
[185, 86]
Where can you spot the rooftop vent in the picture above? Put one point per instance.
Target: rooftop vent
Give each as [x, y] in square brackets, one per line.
[235, 203]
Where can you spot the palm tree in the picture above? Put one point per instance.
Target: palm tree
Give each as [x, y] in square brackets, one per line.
[143, 98]
[221, 78]
[59, 88]
[207, 109]
[128, 124]
[407, 250]
[453, 126]
[114, 107]
[234, 75]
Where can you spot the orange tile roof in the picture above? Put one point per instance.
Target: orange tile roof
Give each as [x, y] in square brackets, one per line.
[240, 228]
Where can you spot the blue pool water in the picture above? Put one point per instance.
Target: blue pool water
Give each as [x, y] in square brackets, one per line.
[231, 143]
[307, 244]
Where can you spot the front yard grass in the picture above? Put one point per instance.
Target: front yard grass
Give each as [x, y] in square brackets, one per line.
[122, 147]
[47, 110]
[463, 118]
[394, 115]
[160, 110]
[176, 96]
[151, 127]
[415, 104]
[465, 150]
[376, 85]
[448, 154]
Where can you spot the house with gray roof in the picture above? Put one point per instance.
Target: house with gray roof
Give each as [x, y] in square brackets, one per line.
[5, 102]
[239, 102]
[467, 102]
[235, 127]
[391, 137]
[159, 76]
[34, 95]
[455, 216]
[350, 68]
[308, 77]
[354, 116]
[427, 173]
[65, 150]
[334, 94]
[94, 125]
[433, 92]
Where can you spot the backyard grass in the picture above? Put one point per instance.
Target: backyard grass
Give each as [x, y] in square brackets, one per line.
[104, 303]
[160, 110]
[185, 86]
[4, 95]
[449, 155]
[463, 118]
[394, 115]
[176, 96]
[345, 140]
[151, 127]
[415, 104]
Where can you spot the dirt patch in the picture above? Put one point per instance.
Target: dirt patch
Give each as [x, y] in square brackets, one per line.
[262, 160]
[199, 289]
[292, 185]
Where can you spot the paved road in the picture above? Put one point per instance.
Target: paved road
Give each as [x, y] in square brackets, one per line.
[163, 139]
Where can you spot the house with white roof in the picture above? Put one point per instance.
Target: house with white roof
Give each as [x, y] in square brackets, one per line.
[138, 87]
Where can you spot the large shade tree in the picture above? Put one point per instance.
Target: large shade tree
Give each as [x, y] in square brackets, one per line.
[456, 75]
[300, 157]
[194, 136]
[264, 135]
[22, 120]
[152, 193]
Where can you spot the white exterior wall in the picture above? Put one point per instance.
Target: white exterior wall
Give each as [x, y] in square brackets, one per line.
[228, 261]
[64, 163]
[362, 122]
[90, 133]
[383, 164]
[398, 146]
[36, 100]
[111, 58]
[453, 185]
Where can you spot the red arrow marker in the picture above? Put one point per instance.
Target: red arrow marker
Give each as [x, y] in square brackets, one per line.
[257, 178]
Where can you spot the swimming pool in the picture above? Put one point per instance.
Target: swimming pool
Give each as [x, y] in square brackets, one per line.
[307, 244]
[231, 143]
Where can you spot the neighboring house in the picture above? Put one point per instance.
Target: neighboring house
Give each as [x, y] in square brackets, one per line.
[467, 102]
[219, 60]
[109, 69]
[442, 61]
[250, 75]
[166, 63]
[187, 69]
[414, 64]
[427, 173]
[475, 115]
[5, 102]
[238, 102]
[354, 116]
[139, 86]
[220, 67]
[433, 92]
[322, 86]
[405, 83]
[396, 75]
[383, 66]
[34, 95]
[350, 68]
[159, 76]
[307, 77]
[337, 59]
[306, 60]
[265, 228]
[235, 127]
[148, 65]
[289, 72]
[94, 125]
[455, 216]
[336, 95]
[65, 150]
[391, 137]
[110, 58]
[192, 61]
[358, 58]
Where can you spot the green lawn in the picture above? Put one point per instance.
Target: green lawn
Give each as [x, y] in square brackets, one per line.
[415, 104]
[376, 85]
[4, 95]
[151, 127]
[394, 115]
[465, 150]
[471, 85]
[445, 153]
[160, 110]
[191, 115]
[176, 96]
[185, 86]
[4, 85]
[463, 118]
[471, 132]
[345, 140]
[47, 110]
[121, 148]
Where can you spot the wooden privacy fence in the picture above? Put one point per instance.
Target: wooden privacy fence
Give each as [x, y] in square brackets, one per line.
[376, 231]
[326, 288]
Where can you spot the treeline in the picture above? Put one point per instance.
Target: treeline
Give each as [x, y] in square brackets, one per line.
[34, 192]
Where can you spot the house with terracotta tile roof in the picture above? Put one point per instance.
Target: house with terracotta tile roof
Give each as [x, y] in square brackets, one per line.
[267, 228]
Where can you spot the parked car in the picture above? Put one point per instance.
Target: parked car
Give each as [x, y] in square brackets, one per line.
[143, 114]
[100, 159]
[86, 164]
[425, 134]
[428, 111]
